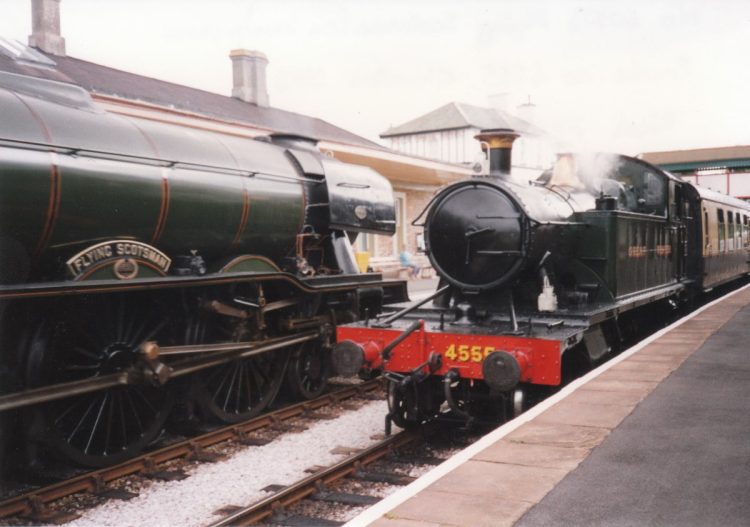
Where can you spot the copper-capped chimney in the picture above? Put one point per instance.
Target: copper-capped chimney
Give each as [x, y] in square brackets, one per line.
[499, 142]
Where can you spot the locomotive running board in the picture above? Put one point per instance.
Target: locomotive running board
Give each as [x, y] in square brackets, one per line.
[310, 285]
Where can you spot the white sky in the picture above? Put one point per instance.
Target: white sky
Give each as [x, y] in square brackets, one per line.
[627, 77]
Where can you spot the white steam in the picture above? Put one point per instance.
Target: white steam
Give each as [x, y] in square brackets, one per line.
[584, 171]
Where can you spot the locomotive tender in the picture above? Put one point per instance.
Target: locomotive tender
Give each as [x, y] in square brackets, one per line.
[144, 265]
[541, 280]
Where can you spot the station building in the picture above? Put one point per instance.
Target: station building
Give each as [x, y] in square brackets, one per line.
[724, 169]
[447, 134]
[247, 112]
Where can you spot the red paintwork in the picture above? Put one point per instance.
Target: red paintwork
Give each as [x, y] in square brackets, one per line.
[372, 350]
[539, 358]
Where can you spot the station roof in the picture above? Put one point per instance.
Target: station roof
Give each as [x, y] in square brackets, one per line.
[458, 115]
[700, 158]
[103, 80]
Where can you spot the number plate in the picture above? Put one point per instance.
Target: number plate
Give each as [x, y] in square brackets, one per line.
[466, 353]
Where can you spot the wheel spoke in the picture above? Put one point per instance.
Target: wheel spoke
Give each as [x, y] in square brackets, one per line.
[229, 390]
[238, 397]
[131, 404]
[110, 417]
[249, 384]
[139, 391]
[96, 423]
[123, 421]
[223, 379]
[258, 380]
[86, 353]
[82, 420]
[149, 335]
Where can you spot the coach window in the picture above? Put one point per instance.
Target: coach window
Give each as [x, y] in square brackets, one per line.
[730, 231]
[706, 234]
[737, 231]
[745, 233]
[722, 229]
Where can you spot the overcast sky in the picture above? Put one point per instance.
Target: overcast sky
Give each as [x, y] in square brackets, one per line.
[628, 77]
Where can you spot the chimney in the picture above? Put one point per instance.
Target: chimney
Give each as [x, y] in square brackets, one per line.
[499, 141]
[249, 74]
[45, 27]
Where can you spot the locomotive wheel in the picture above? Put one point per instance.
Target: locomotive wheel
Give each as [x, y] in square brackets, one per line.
[88, 338]
[400, 401]
[397, 407]
[309, 369]
[240, 389]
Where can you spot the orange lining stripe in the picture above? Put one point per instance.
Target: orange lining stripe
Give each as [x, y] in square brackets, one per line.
[245, 214]
[53, 208]
[164, 209]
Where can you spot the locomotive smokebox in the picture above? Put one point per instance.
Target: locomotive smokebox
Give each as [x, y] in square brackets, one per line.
[499, 142]
[476, 234]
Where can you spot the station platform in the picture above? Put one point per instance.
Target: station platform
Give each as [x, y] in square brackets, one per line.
[660, 435]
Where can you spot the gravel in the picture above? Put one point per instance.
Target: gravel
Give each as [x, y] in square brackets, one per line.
[239, 479]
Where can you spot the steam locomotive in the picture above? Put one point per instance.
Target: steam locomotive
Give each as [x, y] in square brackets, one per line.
[150, 271]
[541, 280]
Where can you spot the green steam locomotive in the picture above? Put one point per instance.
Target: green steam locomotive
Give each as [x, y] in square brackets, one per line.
[150, 271]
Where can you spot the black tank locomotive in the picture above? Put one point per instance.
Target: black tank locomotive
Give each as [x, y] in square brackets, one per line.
[541, 280]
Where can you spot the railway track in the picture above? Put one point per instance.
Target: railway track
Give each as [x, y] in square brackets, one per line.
[34, 505]
[316, 486]
[330, 495]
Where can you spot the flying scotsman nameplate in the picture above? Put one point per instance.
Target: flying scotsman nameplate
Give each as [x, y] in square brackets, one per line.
[124, 256]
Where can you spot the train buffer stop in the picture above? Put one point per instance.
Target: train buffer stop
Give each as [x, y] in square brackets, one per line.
[657, 436]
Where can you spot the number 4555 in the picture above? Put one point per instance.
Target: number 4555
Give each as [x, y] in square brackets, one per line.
[466, 353]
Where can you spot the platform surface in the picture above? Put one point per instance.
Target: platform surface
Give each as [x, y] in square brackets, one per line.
[661, 436]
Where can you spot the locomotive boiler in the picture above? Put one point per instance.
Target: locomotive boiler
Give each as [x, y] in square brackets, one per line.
[542, 279]
[150, 270]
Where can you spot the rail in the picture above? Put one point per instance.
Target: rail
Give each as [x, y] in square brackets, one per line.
[32, 504]
[311, 484]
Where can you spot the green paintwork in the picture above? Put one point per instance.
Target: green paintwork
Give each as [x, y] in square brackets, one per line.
[102, 199]
[605, 249]
[105, 193]
[24, 195]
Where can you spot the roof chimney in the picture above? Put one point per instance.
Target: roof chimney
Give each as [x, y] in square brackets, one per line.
[45, 27]
[249, 74]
